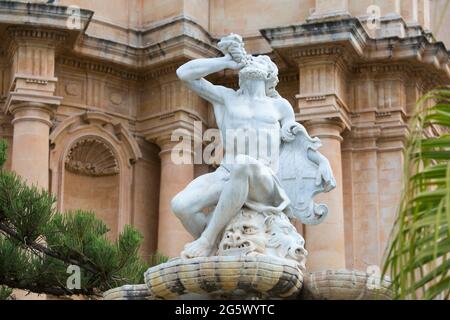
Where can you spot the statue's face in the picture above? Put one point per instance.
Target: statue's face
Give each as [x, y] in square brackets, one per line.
[244, 235]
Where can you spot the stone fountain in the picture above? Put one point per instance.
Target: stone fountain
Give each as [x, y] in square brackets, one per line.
[247, 246]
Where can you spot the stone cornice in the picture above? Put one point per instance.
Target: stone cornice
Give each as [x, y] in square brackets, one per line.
[175, 39]
[22, 33]
[187, 24]
[137, 64]
[321, 38]
[158, 44]
[346, 32]
[39, 21]
[52, 16]
[97, 66]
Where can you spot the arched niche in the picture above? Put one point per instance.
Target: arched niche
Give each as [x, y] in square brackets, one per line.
[92, 180]
[91, 167]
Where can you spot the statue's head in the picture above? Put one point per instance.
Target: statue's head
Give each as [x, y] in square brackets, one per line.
[256, 67]
[261, 68]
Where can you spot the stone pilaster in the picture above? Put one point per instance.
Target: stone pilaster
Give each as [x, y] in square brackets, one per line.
[30, 150]
[31, 99]
[326, 242]
[172, 236]
[373, 151]
[323, 83]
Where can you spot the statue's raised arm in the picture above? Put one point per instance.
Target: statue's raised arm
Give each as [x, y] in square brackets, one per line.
[193, 73]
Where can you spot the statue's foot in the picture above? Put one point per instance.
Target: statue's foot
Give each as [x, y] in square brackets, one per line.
[198, 248]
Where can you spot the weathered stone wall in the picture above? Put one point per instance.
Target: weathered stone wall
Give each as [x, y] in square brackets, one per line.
[113, 79]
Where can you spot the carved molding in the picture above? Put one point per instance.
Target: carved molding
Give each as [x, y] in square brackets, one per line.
[317, 51]
[97, 123]
[379, 68]
[97, 67]
[91, 157]
[22, 33]
[163, 70]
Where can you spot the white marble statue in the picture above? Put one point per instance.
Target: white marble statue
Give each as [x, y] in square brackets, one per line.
[280, 181]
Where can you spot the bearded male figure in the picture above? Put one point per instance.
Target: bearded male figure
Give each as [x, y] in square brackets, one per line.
[243, 179]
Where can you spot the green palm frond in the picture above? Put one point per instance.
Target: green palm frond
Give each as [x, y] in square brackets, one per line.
[418, 254]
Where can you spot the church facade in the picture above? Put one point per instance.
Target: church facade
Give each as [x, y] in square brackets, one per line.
[89, 100]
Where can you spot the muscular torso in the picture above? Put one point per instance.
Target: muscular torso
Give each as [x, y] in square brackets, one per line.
[257, 120]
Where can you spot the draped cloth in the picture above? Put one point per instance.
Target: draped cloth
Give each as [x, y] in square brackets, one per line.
[279, 199]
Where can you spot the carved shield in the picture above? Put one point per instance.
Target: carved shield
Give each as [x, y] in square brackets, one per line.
[297, 175]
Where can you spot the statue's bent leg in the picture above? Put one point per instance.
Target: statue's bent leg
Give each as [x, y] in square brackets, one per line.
[201, 193]
[234, 195]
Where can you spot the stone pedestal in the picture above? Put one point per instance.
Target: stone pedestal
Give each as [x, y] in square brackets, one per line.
[30, 149]
[325, 242]
[31, 99]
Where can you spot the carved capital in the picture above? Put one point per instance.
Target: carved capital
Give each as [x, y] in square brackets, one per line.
[330, 128]
[159, 128]
[317, 107]
[19, 101]
[32, 111]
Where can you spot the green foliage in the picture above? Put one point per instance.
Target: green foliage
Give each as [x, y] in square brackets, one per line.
[3, 152]
[418, 255]
[5, 292]
[29, 210]
[157, 258]
[37, 244]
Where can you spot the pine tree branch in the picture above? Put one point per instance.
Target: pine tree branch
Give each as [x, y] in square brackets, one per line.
[43, 249]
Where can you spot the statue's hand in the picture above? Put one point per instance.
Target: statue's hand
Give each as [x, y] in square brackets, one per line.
[231, 63]
[237, 53]
[325, 175]
[290, 130]
[234, 46]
